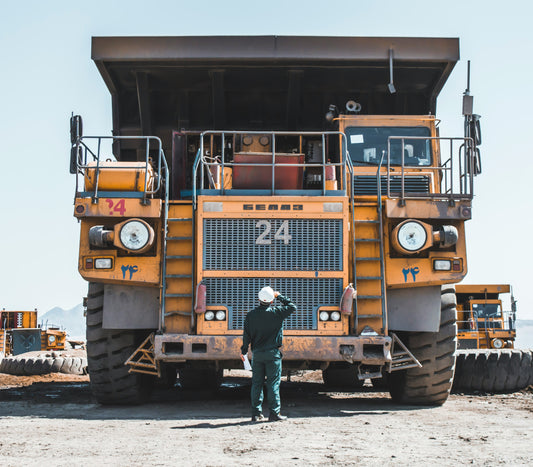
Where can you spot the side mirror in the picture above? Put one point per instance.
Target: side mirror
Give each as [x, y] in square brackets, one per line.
[475, 129]
[477, 162]
[76, 129]
[75, 158]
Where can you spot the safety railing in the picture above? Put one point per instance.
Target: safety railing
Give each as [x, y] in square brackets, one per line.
[205, 162]
[86, 153]
[456, 172]
[467, 325]
[475, 323]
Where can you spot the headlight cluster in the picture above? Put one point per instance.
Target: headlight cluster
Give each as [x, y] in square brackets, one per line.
[51, 339]
[497, 343]
[133, 235]
[412, 236]
[329, 316]
[219, 315]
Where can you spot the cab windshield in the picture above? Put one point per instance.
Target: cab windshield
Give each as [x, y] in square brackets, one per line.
[487, 310]
[366, 145]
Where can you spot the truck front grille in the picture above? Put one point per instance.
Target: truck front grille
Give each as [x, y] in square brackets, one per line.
[239, 295]
[264, 244]
[367, 184]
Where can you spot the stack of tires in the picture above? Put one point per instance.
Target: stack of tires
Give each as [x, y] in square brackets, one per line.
[42, 363]
[490, 370]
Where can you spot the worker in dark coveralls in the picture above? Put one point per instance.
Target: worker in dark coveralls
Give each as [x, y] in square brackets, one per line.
[263, 329]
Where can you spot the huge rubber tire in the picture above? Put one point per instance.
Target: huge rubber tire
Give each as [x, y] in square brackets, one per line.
[431, 384]
[42, 365]
[107, 350]
[491, 370]
[197, 379]
[341, 376]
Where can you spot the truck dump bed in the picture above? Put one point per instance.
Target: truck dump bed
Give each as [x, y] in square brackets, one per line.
[160, 84]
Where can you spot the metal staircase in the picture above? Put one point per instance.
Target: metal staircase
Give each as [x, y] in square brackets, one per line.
[178, 270]
[369, 279]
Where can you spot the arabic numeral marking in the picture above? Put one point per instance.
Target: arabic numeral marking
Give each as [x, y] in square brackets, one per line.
[281, 234]
[262, 239]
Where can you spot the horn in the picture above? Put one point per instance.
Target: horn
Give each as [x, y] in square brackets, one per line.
[353, 107]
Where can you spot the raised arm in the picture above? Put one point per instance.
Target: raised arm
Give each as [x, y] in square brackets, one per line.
[287, 308]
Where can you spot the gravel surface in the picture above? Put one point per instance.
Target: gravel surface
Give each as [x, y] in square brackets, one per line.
[53, 419]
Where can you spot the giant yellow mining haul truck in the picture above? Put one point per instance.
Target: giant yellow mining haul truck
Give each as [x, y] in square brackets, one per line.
[482, 321]
[311, 164]
[487, 359]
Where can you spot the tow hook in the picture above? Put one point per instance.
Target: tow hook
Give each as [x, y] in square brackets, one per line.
[347, 352]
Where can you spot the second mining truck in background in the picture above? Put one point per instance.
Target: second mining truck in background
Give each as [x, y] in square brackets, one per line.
[481, 319]
[487, 359]
[311, 164]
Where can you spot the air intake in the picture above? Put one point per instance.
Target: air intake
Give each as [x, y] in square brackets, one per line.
[367, 184]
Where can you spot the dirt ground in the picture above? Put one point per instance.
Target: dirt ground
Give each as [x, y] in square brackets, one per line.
[53, 419]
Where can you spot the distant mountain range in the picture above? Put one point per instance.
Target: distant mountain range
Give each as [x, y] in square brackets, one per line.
[71, 320]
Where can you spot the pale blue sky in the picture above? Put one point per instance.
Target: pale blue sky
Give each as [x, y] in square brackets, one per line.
[46, 72]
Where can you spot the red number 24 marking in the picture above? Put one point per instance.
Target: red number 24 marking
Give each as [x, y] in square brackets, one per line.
[119, 207]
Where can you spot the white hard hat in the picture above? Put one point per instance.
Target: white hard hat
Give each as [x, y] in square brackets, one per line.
[266, 294]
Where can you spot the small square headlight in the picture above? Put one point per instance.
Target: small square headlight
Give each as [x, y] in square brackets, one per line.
[103, 263]
[442, 265]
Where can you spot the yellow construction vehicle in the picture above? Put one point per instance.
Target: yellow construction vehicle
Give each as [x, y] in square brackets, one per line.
[19, 333]
[486, 359]
[311, 164]
[10, 320]
[53, 338]
[482, 321]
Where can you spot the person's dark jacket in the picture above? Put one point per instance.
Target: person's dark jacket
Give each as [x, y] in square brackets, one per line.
[263, 326]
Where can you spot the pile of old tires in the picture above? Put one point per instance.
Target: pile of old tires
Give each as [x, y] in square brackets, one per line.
[490, 370]
[42, 363]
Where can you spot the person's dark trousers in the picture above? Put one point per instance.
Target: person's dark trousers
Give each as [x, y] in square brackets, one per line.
[266, 366]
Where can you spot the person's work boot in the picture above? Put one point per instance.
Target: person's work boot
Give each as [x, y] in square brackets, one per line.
[276, 417]
[258, 418]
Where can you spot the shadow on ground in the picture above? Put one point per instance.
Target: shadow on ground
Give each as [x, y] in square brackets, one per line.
[299, 400]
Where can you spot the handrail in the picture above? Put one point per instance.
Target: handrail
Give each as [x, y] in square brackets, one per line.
[354, 259]
[201, 160]
[84, 165]
[165, 231]
[384, 315]
[463, 175]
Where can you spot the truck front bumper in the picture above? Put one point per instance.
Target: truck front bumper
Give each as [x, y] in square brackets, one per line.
[369, 350]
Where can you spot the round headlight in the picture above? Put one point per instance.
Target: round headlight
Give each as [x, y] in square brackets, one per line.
[220, 315]
[51, 339]
[335, 316]
[412, 236]
[135, 235]
[497, 343]
[324, 316]
[209, 315]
